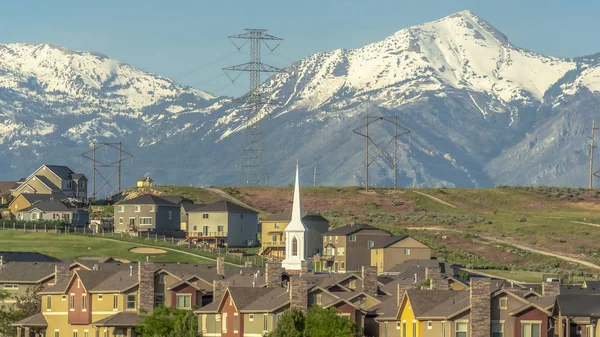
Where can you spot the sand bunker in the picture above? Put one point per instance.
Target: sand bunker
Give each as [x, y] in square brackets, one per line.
[146, 250]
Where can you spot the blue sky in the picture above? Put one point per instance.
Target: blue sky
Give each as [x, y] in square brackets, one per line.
[187, 40]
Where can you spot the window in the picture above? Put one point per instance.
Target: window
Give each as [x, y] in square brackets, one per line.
[205, 216]
[72, 302]
[276, 225]
[353, 237]
[184, 301]
[11, 287]
[115, 302]
[404, 329]
[265, 322]
[161, 279]
[75, 333]
[48, 302]
[195, 228]
[385, 330]
[370, 244]
[461, 329]
[414, 328]
[330, 238]
[251, 318]
[497, 329]
[444, 329]
[220, 228]
[86, 333]
[531, 329]
[204, 230]
[218, 318]
[56, 333]
[274, 238]
[105, 332]
[341, 251]
[120, 220]
[342, 265]
[319, 299]
[203, 322]
[397, 325]
[235, 322]
[241, 216]
[82, 185]
[159, 300]
[121, 209]
[99, 297]
[84, 302]
[137, 208]
[429, 325]
[406, 251]
[352, 284]
[336, 239]
[170, 215]
[145, 221]
[151, 208]
[131, 299]
[63, 298]
[504, 303]
[224, 323]
[294, 247]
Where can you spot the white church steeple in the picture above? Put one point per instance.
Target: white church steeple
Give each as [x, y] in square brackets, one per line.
[295, 234]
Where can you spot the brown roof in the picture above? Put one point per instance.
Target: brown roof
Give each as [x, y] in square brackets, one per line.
[36, 320]
[223, 206]
[388, 241]
[351, 229]
[457, 301]
[26, 271]
[126, 319]
[5, 186]
[271, 300]
[423, 301]
[146, 199]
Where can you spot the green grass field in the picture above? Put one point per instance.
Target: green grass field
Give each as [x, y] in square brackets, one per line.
[72, 246]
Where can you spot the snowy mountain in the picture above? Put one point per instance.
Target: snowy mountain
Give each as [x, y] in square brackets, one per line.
[483, 112]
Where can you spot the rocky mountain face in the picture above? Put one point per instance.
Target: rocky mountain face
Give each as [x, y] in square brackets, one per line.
[482, 111]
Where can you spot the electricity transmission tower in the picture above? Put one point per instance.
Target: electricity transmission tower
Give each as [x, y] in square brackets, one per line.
[103, 167]
[254, 166]
[381, 150]
[592, 147]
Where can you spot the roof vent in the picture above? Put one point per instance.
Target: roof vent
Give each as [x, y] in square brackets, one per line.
[95, 267]
[130, 270]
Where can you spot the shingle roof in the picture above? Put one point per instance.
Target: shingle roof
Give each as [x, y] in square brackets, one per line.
[62, 171]
[176, 199]
[190, 207]
[592, 284]
[34, 197]
[146, 199]
[272, 299]
[350, 229]
[26, 257]
[36, 320]
[287, 216]
[48, 206]
[387, 309]
[578, 305]
[453, 303]
[224, 206]
[76, 176]
[26, 271]
[47, 182]
[389, 241]
[423, 301]
[121, 319]
[6, 186]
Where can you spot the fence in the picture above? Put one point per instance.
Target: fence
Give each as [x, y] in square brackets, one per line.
[232, 255]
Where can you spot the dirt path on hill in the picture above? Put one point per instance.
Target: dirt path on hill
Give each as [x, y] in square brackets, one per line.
[225, 195]
[586, 223]
[517, 245]
[434, 198]
[171, 250]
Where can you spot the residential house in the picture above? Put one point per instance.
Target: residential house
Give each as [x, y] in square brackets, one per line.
[577, 312]
[347, 248]
[147, 213]
[5, 187]
[53, 179]
[273, 237]
[25, 200]
[54, 210]
[6, 257]
[144, 182]
[223, 224]
[392, 251]
[107, 300]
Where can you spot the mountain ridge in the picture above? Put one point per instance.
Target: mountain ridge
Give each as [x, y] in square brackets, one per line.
[474, 101]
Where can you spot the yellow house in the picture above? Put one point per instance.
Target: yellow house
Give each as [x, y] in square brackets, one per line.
[396, 250]
[144, 182]
[273, 237]
[25, 200]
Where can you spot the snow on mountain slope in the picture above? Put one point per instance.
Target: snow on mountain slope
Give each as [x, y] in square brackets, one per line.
[482, 111]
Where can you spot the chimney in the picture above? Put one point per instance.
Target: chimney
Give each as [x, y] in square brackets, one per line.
[273, 274]
[221, 265]
[550, 288]
[130, 270]
[481, 307]
[434, 275]
[303, 267]
[146, 286]
[219, 288]
[62, 272]
[369, 276]
[298, 290]
[248, 264]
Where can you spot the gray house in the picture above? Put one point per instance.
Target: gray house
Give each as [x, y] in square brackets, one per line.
[54, 210]
[147, 213]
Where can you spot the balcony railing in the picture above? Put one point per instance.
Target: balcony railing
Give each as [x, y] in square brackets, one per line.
[208, 234]
[273, 243]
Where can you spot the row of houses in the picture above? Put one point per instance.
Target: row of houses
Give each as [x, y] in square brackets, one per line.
[106, 297]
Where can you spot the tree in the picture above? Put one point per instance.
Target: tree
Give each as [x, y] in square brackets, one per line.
[26, 305]
[317, 322]
[168, 322]
[327, 323]
[291, 324]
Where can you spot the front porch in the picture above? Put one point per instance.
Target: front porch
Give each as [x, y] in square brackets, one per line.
[34, 326]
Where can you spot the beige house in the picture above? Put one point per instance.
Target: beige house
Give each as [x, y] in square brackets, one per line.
[395, 250]
[273, 238]
[53, 179]
[222, 224]
[144, 182]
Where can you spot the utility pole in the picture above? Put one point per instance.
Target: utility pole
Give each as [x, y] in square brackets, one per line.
[592, 146]
[107, 166]
[395, 150]
[315, 176]
[94, 173]
[253, 169]
[367, 154]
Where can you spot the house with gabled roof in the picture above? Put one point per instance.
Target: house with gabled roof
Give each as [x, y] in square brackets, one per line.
[53, 179]
[54, 210]
[392, 251]
[25, 200]
[146, 213]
